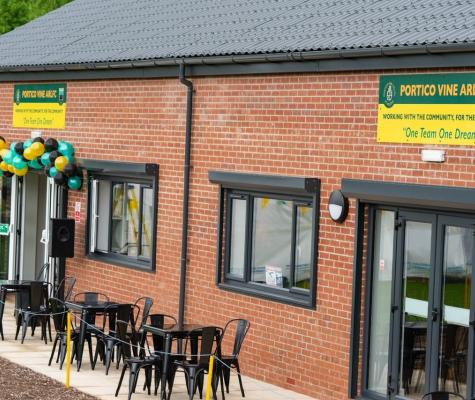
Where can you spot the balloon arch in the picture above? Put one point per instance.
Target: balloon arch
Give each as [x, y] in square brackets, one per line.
[55, 158]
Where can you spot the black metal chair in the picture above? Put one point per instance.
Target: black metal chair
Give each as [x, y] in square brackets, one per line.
[133, 364]
[239, 327]
[59, 315]
[160, 321]
[66, 286]
[442, 396]
[196, 365]
[141, 311]
[107, 341]
[42, 272]
[33, 311]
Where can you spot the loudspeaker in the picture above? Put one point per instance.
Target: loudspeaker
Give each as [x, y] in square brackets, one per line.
[61, 237]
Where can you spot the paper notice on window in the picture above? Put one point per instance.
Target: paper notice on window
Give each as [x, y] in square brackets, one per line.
[274, 276]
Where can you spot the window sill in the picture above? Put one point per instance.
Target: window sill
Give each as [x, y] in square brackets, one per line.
[268, 294]
[122, 262]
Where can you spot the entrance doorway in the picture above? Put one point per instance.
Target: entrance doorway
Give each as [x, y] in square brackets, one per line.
[421, 303]
[35, 199]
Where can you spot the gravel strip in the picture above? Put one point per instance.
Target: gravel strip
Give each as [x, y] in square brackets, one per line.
[17, 382]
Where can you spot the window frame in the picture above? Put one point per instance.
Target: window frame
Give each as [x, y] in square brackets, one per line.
[306, 191]
[149, 179]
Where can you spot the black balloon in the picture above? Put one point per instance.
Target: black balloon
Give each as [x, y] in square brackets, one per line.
[51, 144]
[59, 178]
[47, 168]
[54, 155]
[19, 148]
[70, 170]
[8, 174]
[39, 139]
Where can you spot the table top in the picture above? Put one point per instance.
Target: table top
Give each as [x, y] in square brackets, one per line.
[90, 305]
[16, 283]
[172, 329]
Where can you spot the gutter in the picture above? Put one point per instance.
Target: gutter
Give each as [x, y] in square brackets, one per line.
[297, 56]
[186, 193]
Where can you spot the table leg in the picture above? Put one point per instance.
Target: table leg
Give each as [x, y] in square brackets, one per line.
[82, 336]
[166, 357]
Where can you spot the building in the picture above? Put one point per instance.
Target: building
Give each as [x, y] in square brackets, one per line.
[277, 104]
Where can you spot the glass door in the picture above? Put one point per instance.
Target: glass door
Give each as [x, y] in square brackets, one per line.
[414, 280]
[421, 311]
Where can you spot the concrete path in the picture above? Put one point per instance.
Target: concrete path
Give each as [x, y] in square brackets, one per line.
[34, 354]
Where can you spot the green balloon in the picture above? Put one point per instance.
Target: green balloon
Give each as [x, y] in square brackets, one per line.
[35, 164]
[8, 157]
[27, 143]
[1, 172]
[18, 162]
[52, 172]
[45, 159]
[75, 183]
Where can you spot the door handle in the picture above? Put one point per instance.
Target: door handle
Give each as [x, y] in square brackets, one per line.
[435, 314]
[472, 323]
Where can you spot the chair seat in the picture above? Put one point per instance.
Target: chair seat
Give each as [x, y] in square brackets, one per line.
[142, 361]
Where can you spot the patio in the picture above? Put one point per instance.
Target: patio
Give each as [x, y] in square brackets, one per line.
[34, 354]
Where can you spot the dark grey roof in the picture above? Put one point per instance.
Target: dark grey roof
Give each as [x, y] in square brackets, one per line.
[105, 31]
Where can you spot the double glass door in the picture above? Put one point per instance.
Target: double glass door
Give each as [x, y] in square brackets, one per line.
[421, 311]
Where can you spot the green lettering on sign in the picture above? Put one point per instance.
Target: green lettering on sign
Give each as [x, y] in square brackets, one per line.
[4, 229]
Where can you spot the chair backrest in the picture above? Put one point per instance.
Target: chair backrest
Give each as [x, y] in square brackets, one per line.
[36, 296]
[209, 338]
[66, 286]
[42, 272]
[145, 310]
[58, 312]
[160, 321]
[91, 297]
[240, 328]
[121, 334]
[442, 396]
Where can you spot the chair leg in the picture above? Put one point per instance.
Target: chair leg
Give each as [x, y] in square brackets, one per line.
[48, 321]
[52, 351]
[24, 326]
[157, 379]
[240, 379]
[19, 319]
[62, 352]
[133, 377]
[120, 380]
[109, 348]
[89, 345]
[96, 354]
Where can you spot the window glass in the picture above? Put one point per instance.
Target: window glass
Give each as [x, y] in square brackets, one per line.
[147, 218]
[122, 218]
[382, 269]
[5, 191]
[272, 241]
[303, 247]
[103, 216]
[238, 237]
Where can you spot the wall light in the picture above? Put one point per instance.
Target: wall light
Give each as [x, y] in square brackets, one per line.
[338, 206]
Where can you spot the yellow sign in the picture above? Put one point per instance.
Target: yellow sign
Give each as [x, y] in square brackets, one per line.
[427, 109]
[39, 106]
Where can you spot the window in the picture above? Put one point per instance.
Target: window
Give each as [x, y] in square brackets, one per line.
[122, 220]
[268, 238]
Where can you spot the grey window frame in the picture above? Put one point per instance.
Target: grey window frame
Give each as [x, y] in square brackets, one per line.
[302, 191]
[145, 181]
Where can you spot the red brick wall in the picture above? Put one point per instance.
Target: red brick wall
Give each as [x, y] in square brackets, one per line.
[315, 125]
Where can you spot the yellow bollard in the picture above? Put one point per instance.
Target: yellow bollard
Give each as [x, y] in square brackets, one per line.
[68, 350]
[210, 378]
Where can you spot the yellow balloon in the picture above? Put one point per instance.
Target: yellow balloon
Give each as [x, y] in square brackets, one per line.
[37, 149]
[29, 154]
[11, 168]
[21, 172]
[3, 151]
[60, 163]
[3, 166]
[3, 144]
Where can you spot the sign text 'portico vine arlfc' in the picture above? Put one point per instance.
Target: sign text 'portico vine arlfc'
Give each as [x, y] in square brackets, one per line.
[40, 106]
[429, 109]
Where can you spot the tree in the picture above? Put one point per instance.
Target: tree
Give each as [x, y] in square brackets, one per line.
[14, 13]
